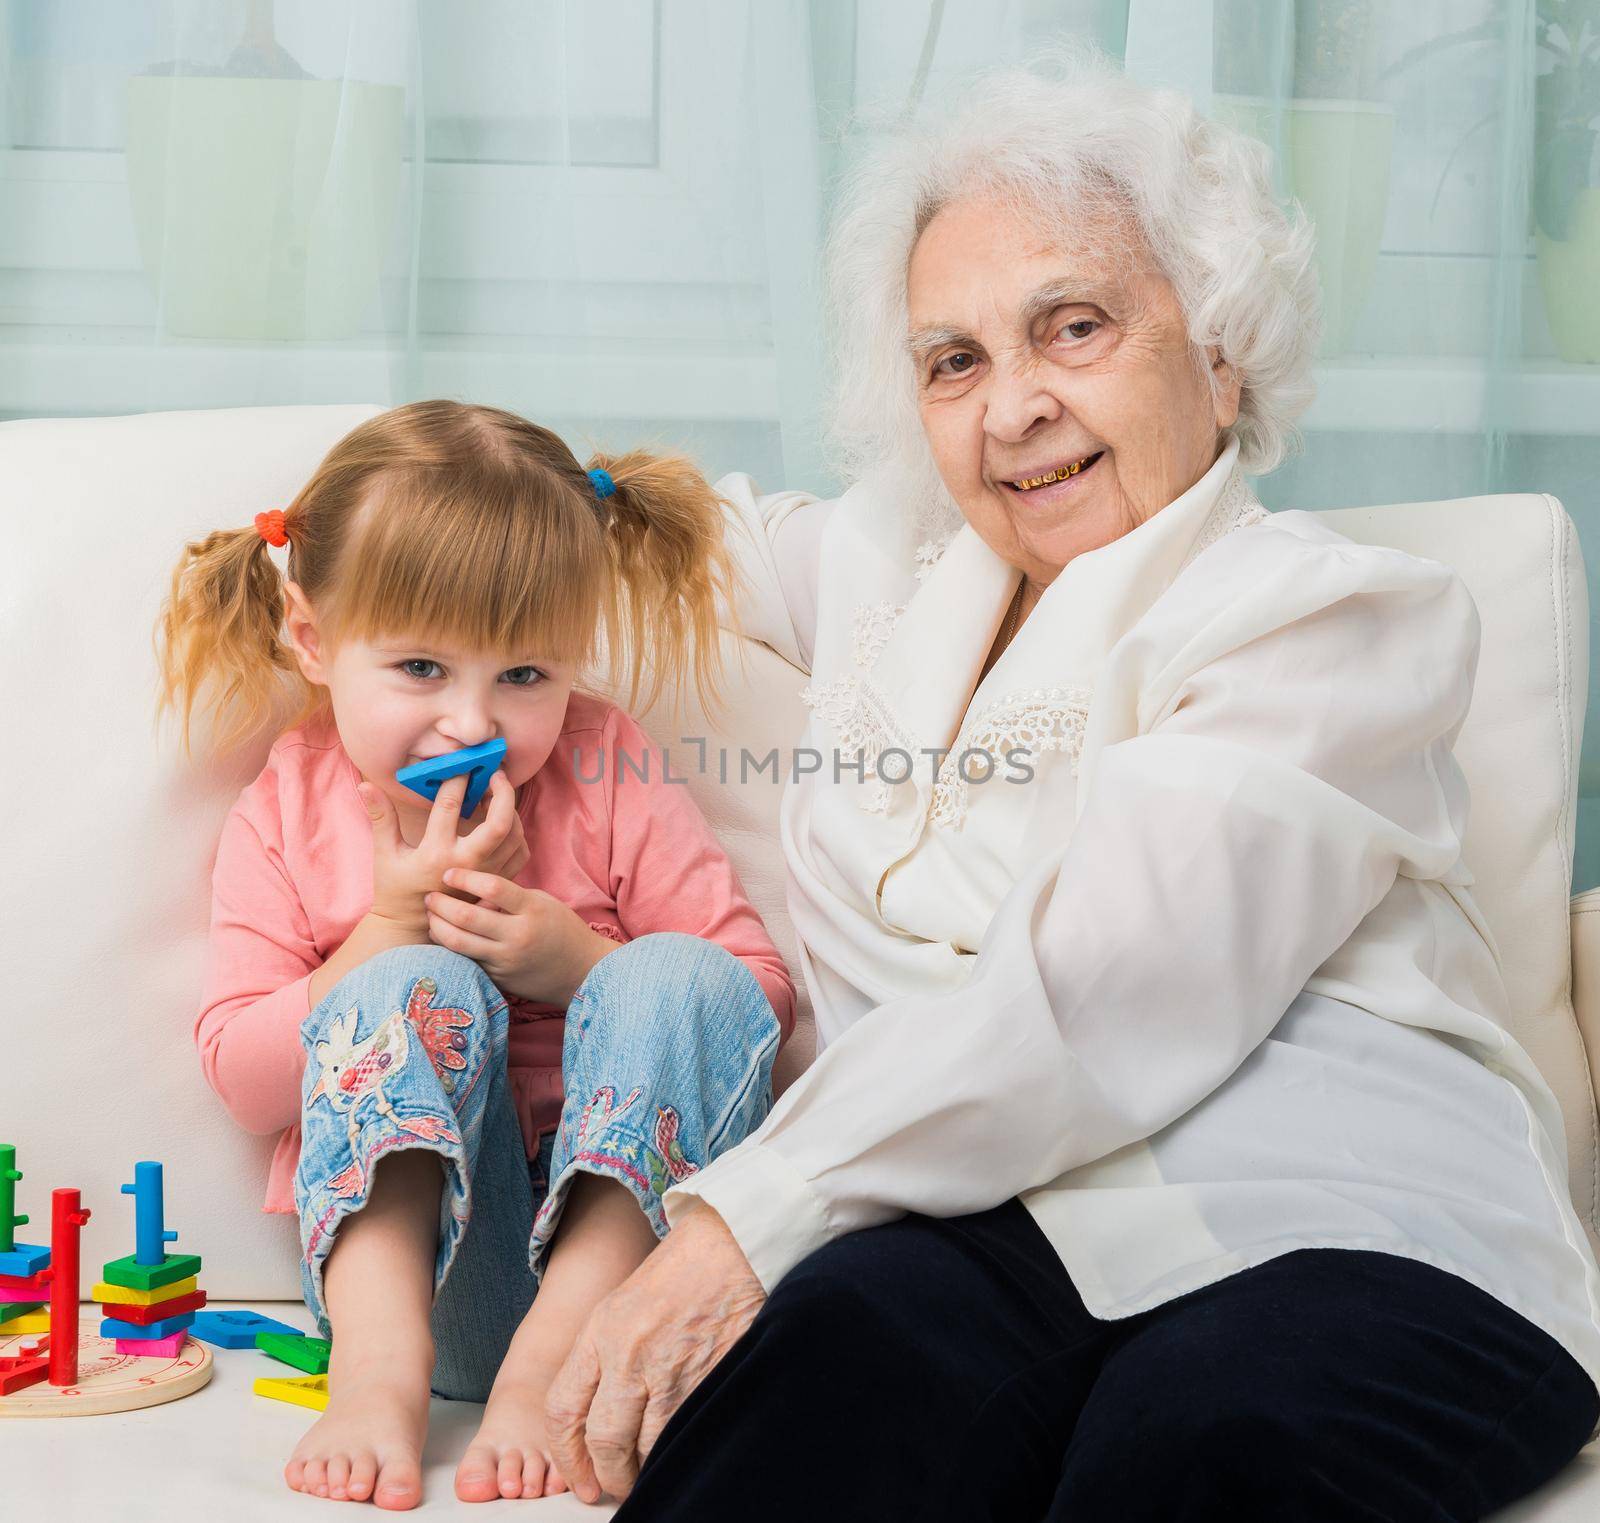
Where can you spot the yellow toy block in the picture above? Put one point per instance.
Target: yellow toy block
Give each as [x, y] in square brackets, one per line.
[312, 1391]
[28, 1322]
[124, 1295]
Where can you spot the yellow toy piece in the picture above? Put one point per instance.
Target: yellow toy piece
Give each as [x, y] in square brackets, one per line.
[312, 1391]
[28, 1322]
[124, 1295]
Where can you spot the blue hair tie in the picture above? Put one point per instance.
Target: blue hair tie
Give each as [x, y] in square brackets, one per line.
[604, 486]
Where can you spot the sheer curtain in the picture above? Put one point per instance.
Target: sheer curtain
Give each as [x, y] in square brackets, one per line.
[607, 214]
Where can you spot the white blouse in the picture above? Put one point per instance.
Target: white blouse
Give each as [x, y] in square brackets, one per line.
[1207, 985]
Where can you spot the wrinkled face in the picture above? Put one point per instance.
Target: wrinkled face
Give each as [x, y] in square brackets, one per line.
[396, 702]
[1058, 388]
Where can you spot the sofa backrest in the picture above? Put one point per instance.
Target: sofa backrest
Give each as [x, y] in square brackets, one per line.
[1519, 558]
[107, 900]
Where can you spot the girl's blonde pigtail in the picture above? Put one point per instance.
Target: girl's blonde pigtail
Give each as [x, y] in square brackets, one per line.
[219, 629]
[674, 575]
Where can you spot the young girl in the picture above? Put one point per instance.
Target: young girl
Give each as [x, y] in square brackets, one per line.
[472, 1032]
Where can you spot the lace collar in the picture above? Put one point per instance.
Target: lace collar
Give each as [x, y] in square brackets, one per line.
[901, 689]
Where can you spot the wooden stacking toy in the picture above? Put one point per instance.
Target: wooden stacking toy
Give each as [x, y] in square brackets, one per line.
[150, 1296]
[140, 1356]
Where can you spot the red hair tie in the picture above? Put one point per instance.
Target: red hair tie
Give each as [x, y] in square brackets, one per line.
[270, 526]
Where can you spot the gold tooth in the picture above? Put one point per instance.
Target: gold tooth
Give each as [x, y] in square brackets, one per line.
[1059, 474]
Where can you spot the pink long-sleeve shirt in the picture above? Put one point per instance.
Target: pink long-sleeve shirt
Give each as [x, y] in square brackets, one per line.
[293, 876]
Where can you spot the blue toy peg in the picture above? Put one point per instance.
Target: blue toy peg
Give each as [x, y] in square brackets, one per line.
[236, 1328]
[145, 1332]
[149, 1233]
[478, 762]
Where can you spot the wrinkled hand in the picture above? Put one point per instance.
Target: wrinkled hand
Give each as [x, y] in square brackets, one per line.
[644, 1349]
[402, 875]
[531, 944]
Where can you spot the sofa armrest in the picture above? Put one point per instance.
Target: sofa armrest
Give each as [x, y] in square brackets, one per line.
[1586, 979]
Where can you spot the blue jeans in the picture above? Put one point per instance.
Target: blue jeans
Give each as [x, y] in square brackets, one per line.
[666, 1062]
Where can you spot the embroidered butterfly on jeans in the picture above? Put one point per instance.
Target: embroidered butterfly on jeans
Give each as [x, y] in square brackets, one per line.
[354, 1070]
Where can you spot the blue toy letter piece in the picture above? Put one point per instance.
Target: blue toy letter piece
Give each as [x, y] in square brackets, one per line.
[479, 762]
[236, 1328]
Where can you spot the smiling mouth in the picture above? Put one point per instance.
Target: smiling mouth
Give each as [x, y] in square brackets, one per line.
[1058, 473]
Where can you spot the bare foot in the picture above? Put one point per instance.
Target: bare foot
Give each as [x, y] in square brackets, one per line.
[368, 1443]
[509, 1457]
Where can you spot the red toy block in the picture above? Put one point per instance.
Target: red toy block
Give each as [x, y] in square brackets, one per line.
[27, 1368]
[154, 1313]
[153, 1348]
[16, 1373]
[39, 1282]
[67, 1217]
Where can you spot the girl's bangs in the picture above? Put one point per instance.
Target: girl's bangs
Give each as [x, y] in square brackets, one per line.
[478, 566]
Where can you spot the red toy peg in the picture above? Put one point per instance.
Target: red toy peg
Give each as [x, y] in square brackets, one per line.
[67, 1217]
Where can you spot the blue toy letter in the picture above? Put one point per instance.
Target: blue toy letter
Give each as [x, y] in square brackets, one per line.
[479, 762]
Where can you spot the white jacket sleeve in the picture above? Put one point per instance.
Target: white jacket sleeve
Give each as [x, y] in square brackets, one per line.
[776, 542]
[1293, 706]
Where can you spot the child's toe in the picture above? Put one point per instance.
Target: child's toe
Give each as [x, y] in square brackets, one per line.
[338, 1477]
[476, 1479]
[316, 1477]
[399, 1483]
[534, 1466]
[363, 1472]
[511, 1473]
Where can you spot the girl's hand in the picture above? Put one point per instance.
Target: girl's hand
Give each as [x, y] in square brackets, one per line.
[402, 875]
[511, 855]
[531, 944]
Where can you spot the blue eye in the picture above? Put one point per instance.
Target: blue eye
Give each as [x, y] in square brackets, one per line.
[406, 666]
[531, 676]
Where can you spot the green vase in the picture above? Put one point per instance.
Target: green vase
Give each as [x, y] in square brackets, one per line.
[1569, 281]
[263, 207]
[1335, 162]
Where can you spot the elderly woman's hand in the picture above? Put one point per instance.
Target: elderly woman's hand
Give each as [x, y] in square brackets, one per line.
[644, 1349]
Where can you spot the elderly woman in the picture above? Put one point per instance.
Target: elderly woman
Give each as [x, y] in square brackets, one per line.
[1167, 1156]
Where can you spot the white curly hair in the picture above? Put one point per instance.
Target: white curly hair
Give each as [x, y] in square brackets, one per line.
[1072, 140]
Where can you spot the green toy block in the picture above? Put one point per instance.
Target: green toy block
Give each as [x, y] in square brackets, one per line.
[308, 1354]
[10, 1309]
[132, 1276]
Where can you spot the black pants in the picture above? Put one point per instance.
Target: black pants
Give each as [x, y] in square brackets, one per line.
[947, 1369]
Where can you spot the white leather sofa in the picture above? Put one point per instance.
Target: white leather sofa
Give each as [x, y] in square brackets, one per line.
[108, 844]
